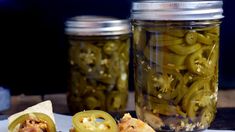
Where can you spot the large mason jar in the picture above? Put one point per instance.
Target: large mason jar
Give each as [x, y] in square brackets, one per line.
[176, 53]
[99, 59]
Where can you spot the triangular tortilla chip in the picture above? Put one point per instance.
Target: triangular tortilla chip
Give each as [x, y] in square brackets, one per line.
[43, 107]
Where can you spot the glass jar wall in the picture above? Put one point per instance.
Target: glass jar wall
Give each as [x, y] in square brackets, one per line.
[176, 68]
[99, 68]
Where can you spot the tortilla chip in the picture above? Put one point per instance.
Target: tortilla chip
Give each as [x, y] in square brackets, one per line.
[43, 107]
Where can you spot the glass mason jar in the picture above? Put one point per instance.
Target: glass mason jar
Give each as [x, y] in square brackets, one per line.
[99, 59]
[176, 52]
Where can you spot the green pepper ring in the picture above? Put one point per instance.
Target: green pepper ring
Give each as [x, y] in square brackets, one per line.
[110, 47]
[183, 49]
[116, 100]
[95, 114]
[207, 115]
[99, 96]
[166, 109]
[205, 62]
[191, 37]
[164, 40]
[196, 86]
[82, 64]
[164, 57]
[193, 102]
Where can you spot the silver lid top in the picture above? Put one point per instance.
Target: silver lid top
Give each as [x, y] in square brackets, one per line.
[177, 10]
[96, 25]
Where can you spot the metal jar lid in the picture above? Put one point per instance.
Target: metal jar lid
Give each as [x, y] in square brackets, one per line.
[96, 26]
[177, 10]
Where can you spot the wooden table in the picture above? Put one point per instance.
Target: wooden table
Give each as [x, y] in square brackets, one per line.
[226, 99]
[225, 118]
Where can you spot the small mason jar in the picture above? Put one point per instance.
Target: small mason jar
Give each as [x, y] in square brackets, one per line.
[99, 59]
[176, 53]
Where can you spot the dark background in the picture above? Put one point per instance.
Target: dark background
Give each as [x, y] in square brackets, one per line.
[33, 47]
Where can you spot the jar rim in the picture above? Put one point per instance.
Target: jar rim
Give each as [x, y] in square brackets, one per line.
[97, 26]
[177, 10]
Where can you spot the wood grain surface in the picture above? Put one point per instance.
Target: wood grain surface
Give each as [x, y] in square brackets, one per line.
[226, 99]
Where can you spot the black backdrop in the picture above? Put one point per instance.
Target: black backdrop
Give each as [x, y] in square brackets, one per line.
[33, 47]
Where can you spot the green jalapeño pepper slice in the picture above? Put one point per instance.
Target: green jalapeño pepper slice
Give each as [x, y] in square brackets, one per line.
[214, 30]
[139, 38]
[207, 38]
[35, 116]
[183, 49]
[199, 99]
[94, 121]
[161, 57]
[179, 92]
[183, 87]
[79, 84]
[207, 115]
[87, 56]
[203, 61]
[167, 109]
[122, 82]
[163, 83]
[110, 47]
[116, 101]
[198, 85]
[123, 51]
[164, 40]
[95, 100]
[191, 37]
[108, 75]
[176, 32]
